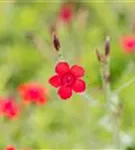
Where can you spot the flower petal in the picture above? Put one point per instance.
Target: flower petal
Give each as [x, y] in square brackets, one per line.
[79, 86]
[66, 13]
[33, 92]
[55, 81]
[65, 92]
[10, 148]
[61, 68]
[77, 71]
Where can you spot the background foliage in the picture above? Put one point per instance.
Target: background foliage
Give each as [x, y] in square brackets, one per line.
[27, 54]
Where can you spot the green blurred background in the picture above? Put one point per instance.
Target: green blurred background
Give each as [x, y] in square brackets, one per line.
[27, 54]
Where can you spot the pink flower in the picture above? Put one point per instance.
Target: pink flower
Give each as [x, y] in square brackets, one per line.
[13, 148]
[8, 108]
[33, 92]
[68, 79]
[128, 43]
[10, 148]
[66, 13]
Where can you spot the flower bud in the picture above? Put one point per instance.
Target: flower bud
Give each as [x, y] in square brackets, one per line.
[107, 46]
[56, 42]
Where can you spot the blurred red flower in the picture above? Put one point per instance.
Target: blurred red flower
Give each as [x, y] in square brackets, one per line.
[13, 148]
[33, 92]
[8, 108]
[10, 148]
[68, 79]
[66, 13]
[128, 43]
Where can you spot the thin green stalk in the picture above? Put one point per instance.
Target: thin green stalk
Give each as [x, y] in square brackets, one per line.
[105, 74]
[89, 98]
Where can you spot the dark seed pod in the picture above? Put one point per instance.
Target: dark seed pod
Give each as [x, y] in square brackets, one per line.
[56, 43]
[107, 46]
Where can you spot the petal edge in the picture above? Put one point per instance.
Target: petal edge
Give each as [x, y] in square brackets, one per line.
[79, 86]
[61, 68]
[77, 71]
[55, 81]
[65, 92]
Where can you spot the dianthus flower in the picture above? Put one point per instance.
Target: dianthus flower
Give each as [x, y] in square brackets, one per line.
[66, 13]
[8, 108]
[33, 92]
[68, 79]
[13, 148]
[10, 148]
[128, 43]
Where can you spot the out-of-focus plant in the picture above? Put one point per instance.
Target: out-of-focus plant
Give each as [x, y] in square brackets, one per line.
[37, 37]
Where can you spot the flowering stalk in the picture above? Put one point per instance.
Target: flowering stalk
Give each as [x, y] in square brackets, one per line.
[75, 69]
[104, 60]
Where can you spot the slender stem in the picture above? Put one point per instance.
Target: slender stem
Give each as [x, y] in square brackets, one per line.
[105, 74]
[60, 56]
[125, 85]
[89, 98]
[115, 125]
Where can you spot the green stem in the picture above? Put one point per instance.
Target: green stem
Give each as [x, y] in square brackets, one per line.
[105, 74]
[89, 98]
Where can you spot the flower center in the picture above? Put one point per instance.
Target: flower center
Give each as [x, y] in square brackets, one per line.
[33, 93]
[68, 79]
[8, 107]
[131, 44]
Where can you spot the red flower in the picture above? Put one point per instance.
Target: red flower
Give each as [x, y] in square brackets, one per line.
[13, 148]
[10, 148]
[68, 79]
[128, 43]
[66, 13]
[33, 92]
[8, 108]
